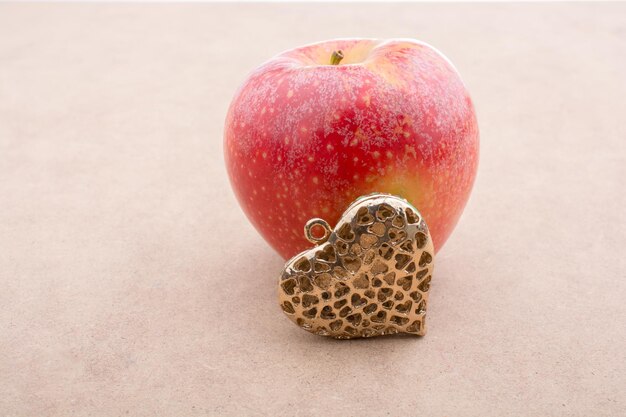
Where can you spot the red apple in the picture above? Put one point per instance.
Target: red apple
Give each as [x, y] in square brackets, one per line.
[310, 131]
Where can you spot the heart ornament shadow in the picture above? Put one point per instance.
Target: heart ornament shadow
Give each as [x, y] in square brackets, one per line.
[369, 276]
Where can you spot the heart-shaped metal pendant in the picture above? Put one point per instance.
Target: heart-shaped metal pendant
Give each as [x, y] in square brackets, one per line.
[368, 277]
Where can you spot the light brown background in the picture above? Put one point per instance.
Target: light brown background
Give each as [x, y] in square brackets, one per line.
[132, 284]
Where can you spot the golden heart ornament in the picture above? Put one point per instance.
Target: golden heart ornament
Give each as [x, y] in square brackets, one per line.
[369, 276]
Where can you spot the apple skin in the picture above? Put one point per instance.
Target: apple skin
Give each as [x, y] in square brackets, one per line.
[303, 138]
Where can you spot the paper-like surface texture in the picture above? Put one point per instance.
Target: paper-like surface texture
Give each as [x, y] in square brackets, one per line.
[132, 284]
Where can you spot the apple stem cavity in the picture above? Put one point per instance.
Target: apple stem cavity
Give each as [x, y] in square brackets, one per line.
[336, 57]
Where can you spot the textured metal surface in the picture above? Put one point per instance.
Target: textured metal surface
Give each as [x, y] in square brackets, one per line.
[369, 276]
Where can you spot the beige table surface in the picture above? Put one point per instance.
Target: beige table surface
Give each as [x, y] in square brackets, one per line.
[132, 284]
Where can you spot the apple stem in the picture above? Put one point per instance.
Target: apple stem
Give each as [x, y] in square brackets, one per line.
[336, 57]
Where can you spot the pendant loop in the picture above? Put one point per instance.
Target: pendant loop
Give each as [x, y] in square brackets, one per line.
[315, 223]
